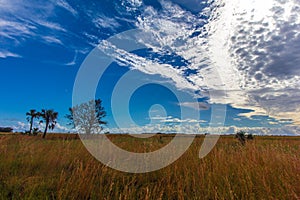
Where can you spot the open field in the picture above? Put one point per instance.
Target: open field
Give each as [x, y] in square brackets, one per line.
[61, 168]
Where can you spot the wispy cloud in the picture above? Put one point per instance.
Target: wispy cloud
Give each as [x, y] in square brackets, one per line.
[13, 30]
[24, 20]
[52, 40]
[64, 4]
[73, 62]
[196, 105]
[5, 54]
[105, 22]
[242, 48]
[170, 119]
[145, 65]
[51, 25]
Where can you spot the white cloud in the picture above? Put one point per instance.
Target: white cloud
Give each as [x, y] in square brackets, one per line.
[12, 30]
[197, 129]
[52, 40]
[6, 54]
[196, 105]
[51, 25]
[157, 117]
[157, 128]
[243, 47]
[105, 22]
[21, 126]
[171, 119]
[60, 128]
[177, 120]
[246, 53]
[23, 20]
[131, 5]
[73, 62]
[64, 4]
[144, 65]
[237, 119]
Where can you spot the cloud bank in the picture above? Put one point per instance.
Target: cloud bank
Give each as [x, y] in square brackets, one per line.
[250, 49]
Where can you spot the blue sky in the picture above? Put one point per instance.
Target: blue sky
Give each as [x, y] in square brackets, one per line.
[241, 55]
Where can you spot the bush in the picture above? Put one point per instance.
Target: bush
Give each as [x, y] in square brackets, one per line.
[241, 136]
[36, 131]
[6, 129]
[250, 136]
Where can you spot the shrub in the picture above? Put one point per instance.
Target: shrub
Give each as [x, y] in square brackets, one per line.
[250, 136]
[6, 129]
[241, 136]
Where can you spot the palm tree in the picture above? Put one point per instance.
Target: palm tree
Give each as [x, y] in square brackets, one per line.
[49, 117]
[30, 117]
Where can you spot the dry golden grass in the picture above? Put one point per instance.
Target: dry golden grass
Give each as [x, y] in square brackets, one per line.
[61, 168]
[6, 133]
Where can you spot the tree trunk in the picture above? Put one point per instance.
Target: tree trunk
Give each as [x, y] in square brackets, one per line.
[31, 122]
[45, 132]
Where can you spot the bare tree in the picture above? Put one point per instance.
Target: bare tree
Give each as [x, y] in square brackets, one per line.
[87, 117]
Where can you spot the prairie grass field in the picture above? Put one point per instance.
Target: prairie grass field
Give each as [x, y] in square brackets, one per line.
[59, 167]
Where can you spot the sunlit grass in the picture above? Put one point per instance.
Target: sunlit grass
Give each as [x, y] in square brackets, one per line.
[61, 168]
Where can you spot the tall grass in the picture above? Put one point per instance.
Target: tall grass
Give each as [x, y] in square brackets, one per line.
[61, 168]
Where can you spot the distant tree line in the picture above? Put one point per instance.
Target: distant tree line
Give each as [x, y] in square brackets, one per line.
[86, 117]
[6, 129]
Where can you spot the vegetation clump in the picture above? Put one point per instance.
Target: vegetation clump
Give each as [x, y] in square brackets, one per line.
[6, 129]
[242, 136]
[49, 116]
[87, 117]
